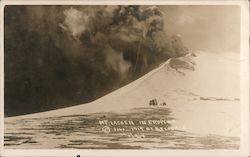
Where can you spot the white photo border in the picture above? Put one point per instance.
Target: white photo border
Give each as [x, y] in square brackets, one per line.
[244, 86]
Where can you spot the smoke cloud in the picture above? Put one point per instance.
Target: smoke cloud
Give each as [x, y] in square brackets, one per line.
[75, 22]
[59, 56]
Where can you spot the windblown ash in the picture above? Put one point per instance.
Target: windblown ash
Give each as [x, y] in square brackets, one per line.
[59, 56]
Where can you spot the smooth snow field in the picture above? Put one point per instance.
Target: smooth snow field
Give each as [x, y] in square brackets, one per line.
[198, 107]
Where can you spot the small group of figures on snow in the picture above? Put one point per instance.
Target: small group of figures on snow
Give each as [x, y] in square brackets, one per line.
[154, 102]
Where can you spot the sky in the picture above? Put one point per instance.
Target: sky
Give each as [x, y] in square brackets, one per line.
[207, 28]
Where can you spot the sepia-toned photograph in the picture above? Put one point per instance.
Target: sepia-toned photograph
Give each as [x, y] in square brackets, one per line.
[123, 77]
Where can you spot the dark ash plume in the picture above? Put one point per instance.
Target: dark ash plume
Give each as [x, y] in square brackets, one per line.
[59, 56]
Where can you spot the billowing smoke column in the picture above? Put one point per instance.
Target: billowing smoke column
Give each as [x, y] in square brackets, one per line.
[59, 56]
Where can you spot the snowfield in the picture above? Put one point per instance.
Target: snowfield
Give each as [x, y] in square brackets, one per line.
[201, 92]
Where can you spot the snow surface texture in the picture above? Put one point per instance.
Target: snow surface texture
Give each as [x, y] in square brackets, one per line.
[201, 92]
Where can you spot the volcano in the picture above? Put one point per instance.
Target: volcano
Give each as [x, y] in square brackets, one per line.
[198, 95]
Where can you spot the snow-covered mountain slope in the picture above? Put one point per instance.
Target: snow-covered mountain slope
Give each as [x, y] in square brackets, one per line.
[201, 90]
